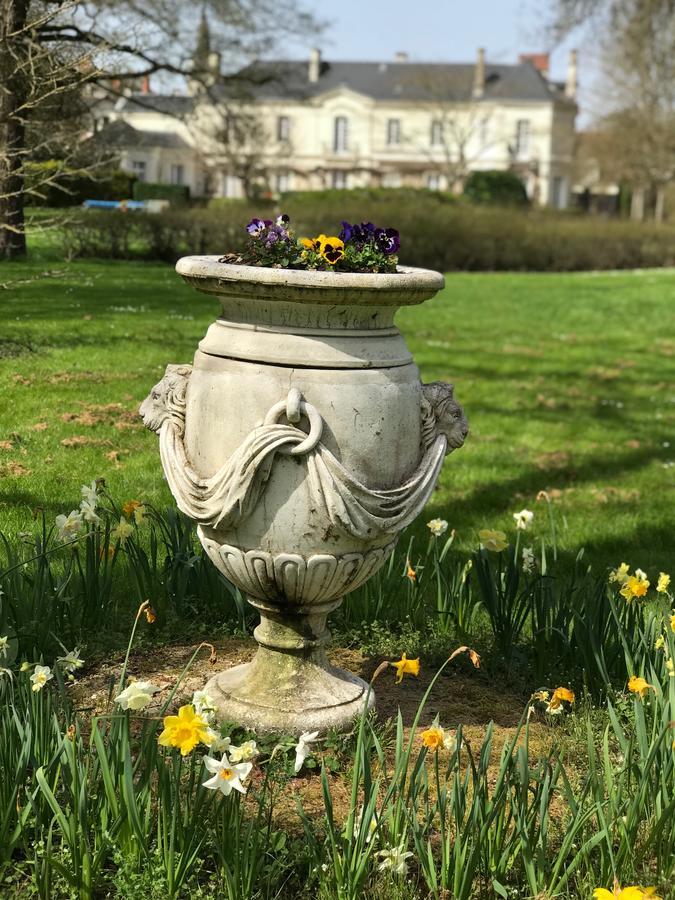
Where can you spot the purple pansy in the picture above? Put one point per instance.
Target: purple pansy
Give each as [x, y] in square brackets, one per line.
[256, 227]
[283, 220]
[275, 234]
[387, 240]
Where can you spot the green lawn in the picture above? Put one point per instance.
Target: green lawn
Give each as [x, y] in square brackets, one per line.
[568, 382]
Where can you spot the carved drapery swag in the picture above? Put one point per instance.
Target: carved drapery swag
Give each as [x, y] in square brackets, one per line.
[230, 495]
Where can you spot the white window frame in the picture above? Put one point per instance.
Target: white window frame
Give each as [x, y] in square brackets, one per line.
[139, 168]
[393, 132]
[523, 135]
[340, 134]
[339, 180]
[436, 133]
[177, 173]
[283, 129]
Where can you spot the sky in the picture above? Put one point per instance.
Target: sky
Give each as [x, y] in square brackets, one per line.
[440, 30]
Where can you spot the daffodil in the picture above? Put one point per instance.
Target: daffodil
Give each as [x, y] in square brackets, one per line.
[410, 572]
[620, 574]
[4, 646]
[227, 776]
[372, 825]
[634, 586]
[394, 860]
[88, 513]
[627, 893]
[136, 695]
[437, 527]
[129, 508]
[40, 677]
[217, 743]
[185, 730]
[303, 749]
[244, 752]
[69, 526]
[560, 695]
[436, 738]
[663, 583]
[205, 706]
[638, 685]
[523, 519]
[121, 531]
[71, 661]
[670, 667]
[90, 493]
[672, 622]
[150, 615]
[495, 541]
[660, 643]
[406, 666]
[528, 560]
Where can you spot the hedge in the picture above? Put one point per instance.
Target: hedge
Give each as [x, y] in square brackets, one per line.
[499, 188]
[50, 183]
[176, 194]
[434, 234]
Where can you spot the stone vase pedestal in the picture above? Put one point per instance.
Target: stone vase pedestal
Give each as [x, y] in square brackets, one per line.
[302, 442]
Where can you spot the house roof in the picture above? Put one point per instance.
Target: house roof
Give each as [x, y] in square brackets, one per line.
[119, 133]
[402, 80]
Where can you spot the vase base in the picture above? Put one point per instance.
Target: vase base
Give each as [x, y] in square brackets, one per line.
[331, 700]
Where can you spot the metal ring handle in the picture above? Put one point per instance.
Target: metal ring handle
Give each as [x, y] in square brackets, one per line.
[315, 425]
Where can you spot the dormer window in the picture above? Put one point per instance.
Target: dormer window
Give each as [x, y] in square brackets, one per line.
[340, 134]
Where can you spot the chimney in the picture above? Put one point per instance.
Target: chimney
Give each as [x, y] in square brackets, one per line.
[314, 65]
[145, 85]
[541, 61]
[401, 57]
[571, 82]
[479, 75]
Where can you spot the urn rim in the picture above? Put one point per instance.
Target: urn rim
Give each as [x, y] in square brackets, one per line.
[206, 273]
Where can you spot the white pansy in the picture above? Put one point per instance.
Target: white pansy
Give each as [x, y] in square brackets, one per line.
[528, 560]
[523, 519]
[71, 661]
[69, 526]
[302, 748]
[205, 706]
[40, 677]
[4, 647]
[227, 776]
[90, 494]
[136, 695]
[244, 752]
[437, 527]
[88, 513]
[394, 859]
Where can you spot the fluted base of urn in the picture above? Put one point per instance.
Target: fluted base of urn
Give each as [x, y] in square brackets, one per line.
[290, 686]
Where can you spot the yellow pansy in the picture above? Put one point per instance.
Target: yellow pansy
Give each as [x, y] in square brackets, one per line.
[185, 731]
[406, 666]
[332, 249]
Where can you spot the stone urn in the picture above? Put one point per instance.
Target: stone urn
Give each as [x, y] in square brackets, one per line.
[302, 442]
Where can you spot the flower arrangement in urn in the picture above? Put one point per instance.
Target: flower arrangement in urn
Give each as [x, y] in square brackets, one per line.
[361, 247]
[302, 442]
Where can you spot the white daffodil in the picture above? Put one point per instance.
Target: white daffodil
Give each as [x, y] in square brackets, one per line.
[71, 661]
[216, 743]
[69, 526]
[394, 859]
[4, 646]
[121, 531]
[90, 494]
[302, 748]
[88, 513]
[372, 825]
[136, 695]
[437, 527]
[528, 560]
[523, 519]
[40, 677]
[640, 575]
[244, 752]
[205, 706]
[227, 776]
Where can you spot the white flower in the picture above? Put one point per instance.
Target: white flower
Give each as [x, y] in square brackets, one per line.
[136, 695]
[40, 677]
[528, 560]
[205, 706]
[90, 494]
[69, 526]
[4, 646]
[122, 531]
[640, 575]
[227, 776]
[71, 661]
[216, 743]
[372, 826]
[395, 860]
[88, 512]
[523, 519]
[302, 748]
[244, 752]
[437, 527]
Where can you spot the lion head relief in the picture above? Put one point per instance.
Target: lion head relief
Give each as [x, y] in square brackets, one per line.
[166, 401]
[442, 414]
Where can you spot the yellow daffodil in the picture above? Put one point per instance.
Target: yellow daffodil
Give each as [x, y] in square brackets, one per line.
[406, 666]
[150, 615]
[663, 583]
[660, 643]
[627, 893]
[638, 685]
[620, 574]
[435, 738]
[129, 507]
[185, 730]
[672, 622]
[410, 572]
[121, 531]
[560, 695]
[634, 586]
[670, 666]
[496, 541]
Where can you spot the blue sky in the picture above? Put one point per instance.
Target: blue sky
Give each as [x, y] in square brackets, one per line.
[442, 30]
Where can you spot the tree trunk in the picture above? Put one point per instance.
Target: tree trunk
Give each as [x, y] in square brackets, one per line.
[13, 93]
[637, 204]
[660, 203]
